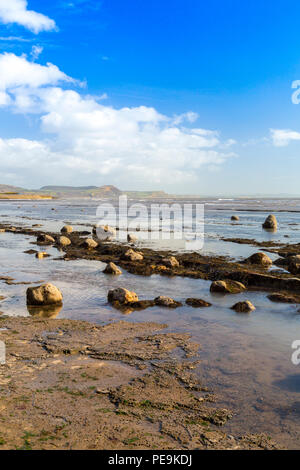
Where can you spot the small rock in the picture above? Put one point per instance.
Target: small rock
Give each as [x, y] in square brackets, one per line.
[235, 217]
[67, 229]
[284, 298]
[45, 239]
[41, 254]
[197, 303]
[259, 258]
[111, 268]
[122, 296]
[270, 223]
[227, 287]
[89, 243]
[243, 307]
[164, 301]
[104, 232]
[170, 262]
[2, 230]
[133, 255]
[46, 294]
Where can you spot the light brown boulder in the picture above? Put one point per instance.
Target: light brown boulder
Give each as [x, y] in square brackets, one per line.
[64, 241]
[111, 268]
[89, 243]
[270, 223]
[227, 287]
[131, 238]
[122, 296]
[41, 254]
[45, 239]
[170, 262]
[46, 294]
[243, 307]
[2, 230]
[133, 255]
[67, 229]
[260, 259]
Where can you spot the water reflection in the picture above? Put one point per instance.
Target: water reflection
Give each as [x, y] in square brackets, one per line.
[50, 311]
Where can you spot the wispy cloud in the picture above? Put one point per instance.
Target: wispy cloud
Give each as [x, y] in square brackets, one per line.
[14, 39]
[282, 137]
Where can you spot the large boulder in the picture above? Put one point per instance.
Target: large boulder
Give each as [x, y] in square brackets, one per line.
[89, 243]
[164, 301]
[111, 268]
[227, 287]
[170, 262]
[122, 296]
[63, 241]
[46, 294]
[44, 239]
[270, 223]
[243, 307]
[260, 259]
[67, 229]
[132, 255]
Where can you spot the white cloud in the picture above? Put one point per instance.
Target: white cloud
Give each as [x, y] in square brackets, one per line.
[15, 11]
[89, 141]
[36, 51]
[282, 137]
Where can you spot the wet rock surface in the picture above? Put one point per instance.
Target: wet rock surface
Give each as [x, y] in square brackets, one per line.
[227, 287]
[75, 385]
[243, 307]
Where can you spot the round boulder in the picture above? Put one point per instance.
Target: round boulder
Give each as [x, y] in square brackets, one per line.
[89, 243]
[64, 241]
[122, 296]
[270, 223]
[243, 307]
[235, 218]
[227, 287]
[259, 258]
[46, 294]
[67, 229]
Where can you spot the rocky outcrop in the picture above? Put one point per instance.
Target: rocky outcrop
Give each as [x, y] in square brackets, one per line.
[111, 268]
[44, 239]
[164, 301]
[122, 296]
[67, 229]
[89, 243]
[132, 255]
[260, 259]
[227, 287]
[197, 303]
[46, 294]
[170, 262]
[243, 307]
[270, 223]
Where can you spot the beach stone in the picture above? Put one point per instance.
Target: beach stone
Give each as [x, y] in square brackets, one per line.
[259, 258]
[89, 243]
[45, 239]
[67, 229]
[133, 255]
[64, 241]
[197, 303]
[111, 268]
[170, 262]
[122, 296]
[131, 238]
[235, 217]
[270, 223]
[41, 254]
[2, 230]
[46, 294]
[284, 298]
[164, 301]
[243, 307]
[227, 287]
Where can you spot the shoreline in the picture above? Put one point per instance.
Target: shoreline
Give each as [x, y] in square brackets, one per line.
[77, 385]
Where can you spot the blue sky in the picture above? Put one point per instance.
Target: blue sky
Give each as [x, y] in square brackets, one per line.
[187, 96]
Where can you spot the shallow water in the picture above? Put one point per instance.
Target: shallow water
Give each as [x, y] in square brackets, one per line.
[246, 359]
